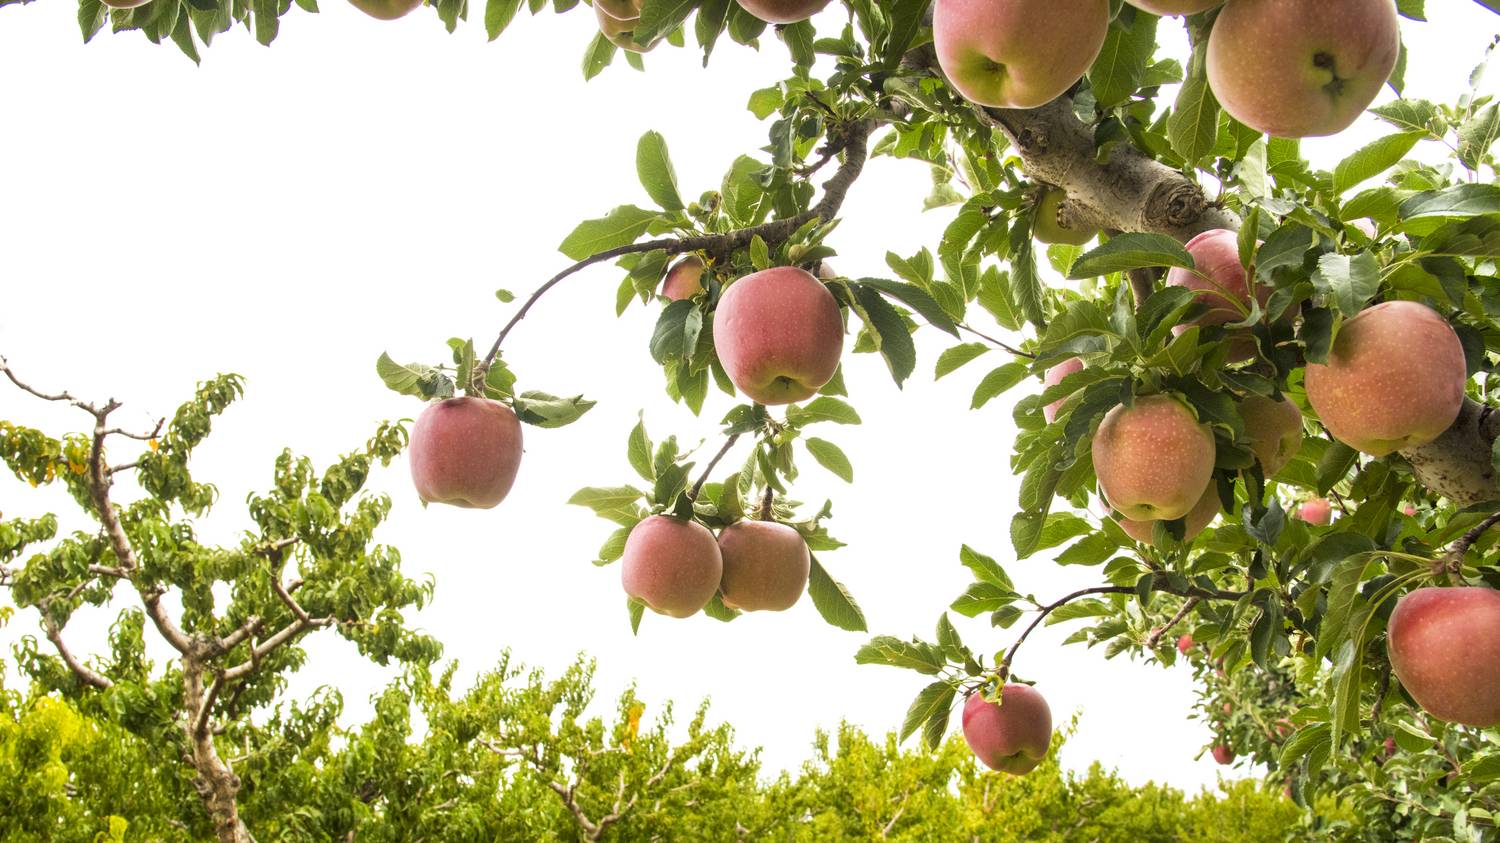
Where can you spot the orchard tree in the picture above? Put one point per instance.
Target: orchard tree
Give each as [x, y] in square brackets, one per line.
[1248, 334]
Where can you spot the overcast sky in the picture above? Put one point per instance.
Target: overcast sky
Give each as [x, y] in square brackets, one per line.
[289, 214]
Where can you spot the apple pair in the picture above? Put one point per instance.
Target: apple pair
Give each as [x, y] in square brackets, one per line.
[675, 566]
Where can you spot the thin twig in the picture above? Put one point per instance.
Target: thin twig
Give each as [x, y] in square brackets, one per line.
[712, 464]
[997, 343]
[1155, 637]
[1455, 556]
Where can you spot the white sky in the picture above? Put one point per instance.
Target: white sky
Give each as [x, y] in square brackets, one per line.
[362, 186]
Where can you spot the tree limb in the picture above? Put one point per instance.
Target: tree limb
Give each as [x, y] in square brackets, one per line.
[712, 464]
[85, 674]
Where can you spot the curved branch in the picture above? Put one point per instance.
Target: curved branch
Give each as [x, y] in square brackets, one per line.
[712, 464]
[855, 147]
[85, 674]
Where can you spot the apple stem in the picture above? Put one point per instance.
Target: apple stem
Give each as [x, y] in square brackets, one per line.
[998, 344]
[765, 504]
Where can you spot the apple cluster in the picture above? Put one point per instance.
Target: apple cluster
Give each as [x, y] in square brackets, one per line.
[675, 566]
[1290, 68]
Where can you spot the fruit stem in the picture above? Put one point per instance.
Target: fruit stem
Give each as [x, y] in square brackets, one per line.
[712, 464]
[765, 504]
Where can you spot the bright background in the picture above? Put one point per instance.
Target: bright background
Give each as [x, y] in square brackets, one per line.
[291, 213]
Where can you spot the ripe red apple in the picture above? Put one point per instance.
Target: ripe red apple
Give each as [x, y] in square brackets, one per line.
[1017, 53]
[684, 280]
[1049, 227]
[1196, 521]
[465, 452]
[1274, 430]
[1153, 459]
[783, 11]
[1012, 736]
[1054, 377]
[1389, 746]
[1408, 510]
[1444, 644]
[779, 334]
[1222, 283]
[385, 9]
[1296, 69]
[1223, 754]
[620, 32]
[671, 565]
[1317, 511]
[1185, 644]
[1167, 8]
[1285, 727]
[766, 565]
[1394, 379]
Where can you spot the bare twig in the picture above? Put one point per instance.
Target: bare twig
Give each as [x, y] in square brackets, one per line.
[1155, 637]
[997, 343]
[1454, 559]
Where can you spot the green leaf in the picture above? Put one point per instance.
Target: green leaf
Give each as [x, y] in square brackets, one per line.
[905, 18]
[893, 652]
[896, 345]
[638, 450]
[917, 299]
[760, 253]
[1477, 135]
[958, 356]
[669, 340]
[765, 102]
[1372, 160]
[658, 17]
[1343, 591]
[831, 457]
[985, 569]
[1351, 282]
[654, 168]
[1025, 280]
[998, 381]
[414, 379]
[616, 503]
[1117, 73]
[1092, 549]
[982, 597]
[550, 411]
[1131, 251]
[620, 227]
[1458, 202]
[598, 56]
[636, 609]
[934, 701]
[821, 409]
[1193, 126]
[832, 600]
[497, 16]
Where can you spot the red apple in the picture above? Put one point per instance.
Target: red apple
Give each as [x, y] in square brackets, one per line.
[1317, 511]
[1154, 459]
[1049, 226]
[783, 11]
[684, 280]
[766, 566]
[1389, 747]
[1223, 754]
[1167, 8]
[1012, 736]
[1223, 286]
[1053, 377]
[1294, 68]
[779, 334]
[386, 9]
[1185, 644]
[1017, 53]
[1394, 378]
[1274, 430]
[465, 452]
[1196, 521]
[1408, 510]
[672, 565]
[1444, 645]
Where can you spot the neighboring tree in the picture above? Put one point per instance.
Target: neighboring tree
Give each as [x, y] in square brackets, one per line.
[1250, 334]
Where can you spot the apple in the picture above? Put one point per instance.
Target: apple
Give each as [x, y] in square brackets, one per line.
[779, 334]
[386, 9]
[621, 33]
[127, 4]
[1297, 69]
[1013, 735]
[672, 565]
[1444, 645]
[1223, 286]
[1053, 377]
[1274, 429]
[1049, 227]
[1154, 459]
[1168, 8]
[1394, 379]
[826, 272]
[1409, 511]
[684, 280]
[1198, 518]
[1223, 754]
[1285, 727]
[783, 11]
[766, 565]
[1017, 53]
[1185, 644]
[622, 10]
[465, 452]
[1389, 747]
[1317, 511]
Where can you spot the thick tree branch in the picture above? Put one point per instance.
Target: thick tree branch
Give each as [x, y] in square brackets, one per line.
[1458, 464]
[854, 145]
[1155, 637]
[85, 674]
[266, 647]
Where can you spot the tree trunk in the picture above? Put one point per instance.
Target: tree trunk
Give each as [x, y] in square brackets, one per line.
[216, 783]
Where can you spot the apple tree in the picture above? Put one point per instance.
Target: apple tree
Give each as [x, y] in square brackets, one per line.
[1223, 334]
